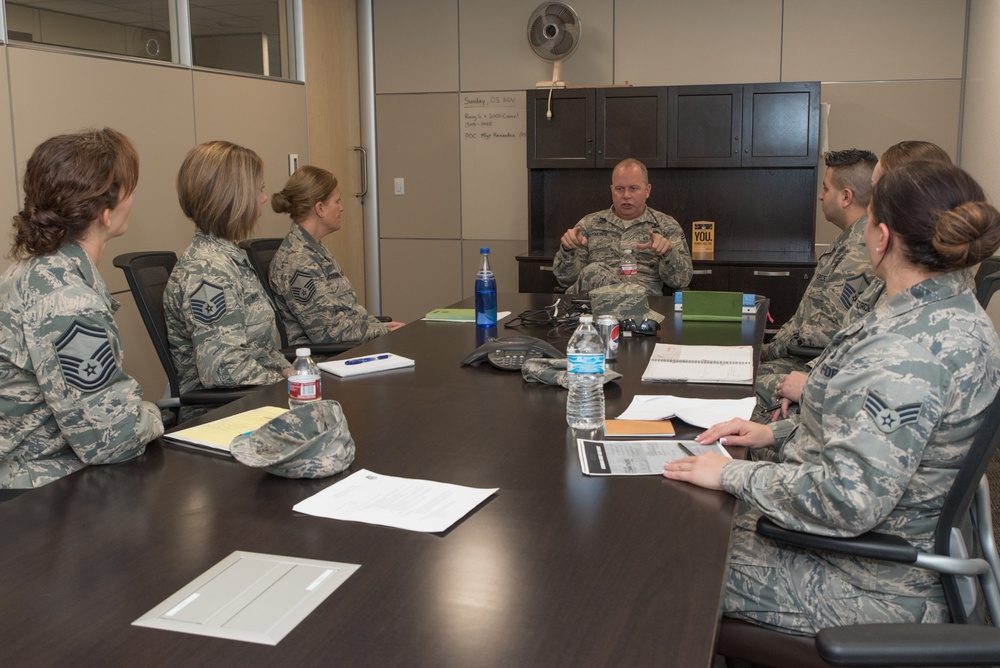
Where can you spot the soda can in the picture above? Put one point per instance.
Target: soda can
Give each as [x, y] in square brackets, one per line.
[607, 326]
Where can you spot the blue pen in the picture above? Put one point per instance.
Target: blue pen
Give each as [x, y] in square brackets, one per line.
[360, 360]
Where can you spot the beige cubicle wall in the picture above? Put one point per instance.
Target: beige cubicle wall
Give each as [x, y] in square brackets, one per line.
[891, 70]
[165, 109]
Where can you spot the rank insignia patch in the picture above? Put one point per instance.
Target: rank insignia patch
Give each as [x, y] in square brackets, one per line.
[208, 303]
[853, 287]
[889, 419]
[85, 356]
[303, 287]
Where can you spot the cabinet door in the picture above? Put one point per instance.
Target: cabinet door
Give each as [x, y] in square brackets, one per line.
[705, 124]
[566, 139]
[782, 285]
[535, 276]
[709, 276]
[632, 123]
[781, 124]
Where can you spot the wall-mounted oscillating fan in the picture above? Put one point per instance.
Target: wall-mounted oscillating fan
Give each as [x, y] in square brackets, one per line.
[553, 33]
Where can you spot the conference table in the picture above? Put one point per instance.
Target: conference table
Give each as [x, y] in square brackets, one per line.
[555, 569]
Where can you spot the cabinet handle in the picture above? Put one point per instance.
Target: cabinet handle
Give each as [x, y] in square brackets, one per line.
[702, 272]
[544, 268]
[771, 273]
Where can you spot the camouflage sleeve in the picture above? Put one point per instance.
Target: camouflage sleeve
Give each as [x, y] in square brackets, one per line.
[568, 264]
[876, 418]
[226, 353]
[676, 269]
[77, 358]
[327, 309]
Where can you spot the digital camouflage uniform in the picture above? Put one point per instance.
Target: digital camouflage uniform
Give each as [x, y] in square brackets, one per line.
[65, 401]
[315, 299]
[887, 416]
[599, 262]
[842, 274]
[220, 323]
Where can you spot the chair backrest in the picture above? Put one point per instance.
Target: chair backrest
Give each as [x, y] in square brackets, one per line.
[260, 252]
[987, 279]
[955, 510]
[147, 274]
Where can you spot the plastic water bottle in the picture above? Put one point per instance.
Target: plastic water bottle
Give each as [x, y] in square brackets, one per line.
[486, 292]
[304, 382]
[585, 402]
[630, 266]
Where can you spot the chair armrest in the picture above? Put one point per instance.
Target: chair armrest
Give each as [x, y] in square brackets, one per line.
[910, 645]
[216, 395]
[871, 545]
[384, 318]
[804, 352]
[321, 348]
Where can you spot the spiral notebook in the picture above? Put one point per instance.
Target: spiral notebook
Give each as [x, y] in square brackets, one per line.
[672, 363]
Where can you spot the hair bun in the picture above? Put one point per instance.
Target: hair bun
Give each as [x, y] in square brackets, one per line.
[968, 233]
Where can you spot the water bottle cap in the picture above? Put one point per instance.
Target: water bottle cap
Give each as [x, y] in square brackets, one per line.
[484, 251]
[586, 317]
[303, 352]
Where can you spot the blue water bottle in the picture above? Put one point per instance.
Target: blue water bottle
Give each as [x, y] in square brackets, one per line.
[486, 292]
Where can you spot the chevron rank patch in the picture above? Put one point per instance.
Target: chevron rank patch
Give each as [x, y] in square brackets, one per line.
[208, 303]
[889, 419]
[303, 287]
[853, 287]
[85, 356]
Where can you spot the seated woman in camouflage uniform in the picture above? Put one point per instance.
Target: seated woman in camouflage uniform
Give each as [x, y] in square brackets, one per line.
[313, 295]
[887, 416]
[65, 401]
[220, 323]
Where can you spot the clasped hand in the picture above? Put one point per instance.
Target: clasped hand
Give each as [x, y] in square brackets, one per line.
[788, 392]
[574, 238]
[705, 470]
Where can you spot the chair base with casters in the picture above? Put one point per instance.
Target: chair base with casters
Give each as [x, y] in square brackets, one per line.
[147, 273]
[969, 582]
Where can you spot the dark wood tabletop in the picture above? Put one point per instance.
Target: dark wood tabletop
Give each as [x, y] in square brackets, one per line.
[555, 569]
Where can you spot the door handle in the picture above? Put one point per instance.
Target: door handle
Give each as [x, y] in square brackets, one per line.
[364, 171]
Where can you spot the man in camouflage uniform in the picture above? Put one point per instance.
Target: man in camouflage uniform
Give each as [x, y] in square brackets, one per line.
[590, 253]
[220, 323]
[315, 299]
[843, 273]
[65, 401]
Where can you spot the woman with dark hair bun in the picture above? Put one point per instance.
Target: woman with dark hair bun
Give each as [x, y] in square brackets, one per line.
[65, 401]
[887, 417]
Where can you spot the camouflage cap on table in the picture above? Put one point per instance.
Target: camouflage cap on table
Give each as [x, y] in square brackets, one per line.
[625, 300]
[309, 441]
[553, 371]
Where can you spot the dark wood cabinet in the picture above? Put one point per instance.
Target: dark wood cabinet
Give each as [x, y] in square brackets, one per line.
[707, 126]
[744, 125]
[597, 127]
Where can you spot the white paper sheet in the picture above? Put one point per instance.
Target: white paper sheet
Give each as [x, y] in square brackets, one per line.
[698, 412]
[405, 503]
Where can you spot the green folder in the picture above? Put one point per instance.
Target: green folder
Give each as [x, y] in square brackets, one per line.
[708, 305]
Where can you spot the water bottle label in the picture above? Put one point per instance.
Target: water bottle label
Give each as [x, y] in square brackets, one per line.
[589, 363]
[304, 388]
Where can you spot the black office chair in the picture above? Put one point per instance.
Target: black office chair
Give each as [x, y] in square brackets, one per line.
[147, 273]
[970, 585]
[987, 279]
[260, 252]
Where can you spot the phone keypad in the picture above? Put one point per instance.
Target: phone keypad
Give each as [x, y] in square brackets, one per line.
[508, 360]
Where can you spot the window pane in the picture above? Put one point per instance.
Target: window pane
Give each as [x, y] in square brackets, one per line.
[239, 35]
[138, 28]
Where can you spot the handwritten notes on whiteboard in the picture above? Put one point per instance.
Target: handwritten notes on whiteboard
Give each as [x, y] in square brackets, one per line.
[494, 165]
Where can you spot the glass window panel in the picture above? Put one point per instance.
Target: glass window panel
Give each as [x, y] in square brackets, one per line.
[239, 35]
[139, 28]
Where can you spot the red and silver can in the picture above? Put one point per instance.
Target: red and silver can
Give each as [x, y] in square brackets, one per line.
[607, 326]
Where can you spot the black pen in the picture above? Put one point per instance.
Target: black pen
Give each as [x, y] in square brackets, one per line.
[685, 449]
[360, 360]
[772, 407]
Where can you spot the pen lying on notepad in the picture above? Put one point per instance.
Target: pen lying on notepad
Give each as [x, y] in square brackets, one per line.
[361, 360]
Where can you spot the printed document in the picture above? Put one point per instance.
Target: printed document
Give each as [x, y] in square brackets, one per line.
[673, 363]
[405, 503]
[636, 457]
